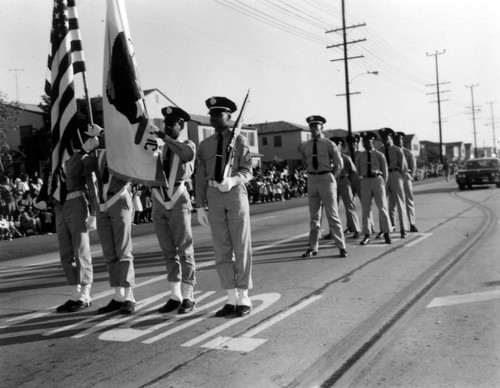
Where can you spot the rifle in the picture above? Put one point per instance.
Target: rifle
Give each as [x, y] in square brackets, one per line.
[231, 148]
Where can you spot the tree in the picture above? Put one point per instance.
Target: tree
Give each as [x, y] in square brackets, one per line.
[9, 110]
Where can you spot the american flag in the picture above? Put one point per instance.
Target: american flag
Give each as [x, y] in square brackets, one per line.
[65, 60]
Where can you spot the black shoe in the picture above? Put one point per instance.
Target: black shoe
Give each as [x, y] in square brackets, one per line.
[114, 305]
[328, 236]
[387, 238]
[365, 240]
[355, 235]
[67, 307]
[403, 234]
[309, 253]
[186, 306]
[128, 307]
[343, 252]
[243, 310]
[228, 309]
[379, 234]
[170, 306]
[80, 305]
[413, 228]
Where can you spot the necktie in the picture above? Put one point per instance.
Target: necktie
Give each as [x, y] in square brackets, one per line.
[387, 156]
[369, 171]
[166, 163]
[315, 154]
[218, 159]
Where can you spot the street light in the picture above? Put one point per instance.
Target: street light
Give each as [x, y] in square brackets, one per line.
[375, 72]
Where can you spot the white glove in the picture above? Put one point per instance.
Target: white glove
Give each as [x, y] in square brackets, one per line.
[227, 184]
[91, 223]
[202, 216]
[94, 130]
[91, 144]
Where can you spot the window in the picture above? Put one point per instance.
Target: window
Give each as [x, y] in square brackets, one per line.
[415, 147]
[277, 141]
[250, 135]
[264, 140]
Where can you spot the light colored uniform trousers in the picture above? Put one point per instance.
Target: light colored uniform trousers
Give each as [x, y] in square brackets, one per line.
[374, 188]
[73, 238]
[114, 227]
[396, 195]
[322, 189]
[229, 217]
[410, 199]
[175, 237]
[345, 192]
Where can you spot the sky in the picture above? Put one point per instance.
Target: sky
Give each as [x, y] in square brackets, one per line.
[194, 49]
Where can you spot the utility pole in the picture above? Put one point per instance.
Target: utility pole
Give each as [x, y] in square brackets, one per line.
[17, 83]
[346, 68]
[473, 115]
[438, 93]
[493, 126]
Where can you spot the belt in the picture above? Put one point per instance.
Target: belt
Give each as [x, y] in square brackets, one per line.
[319, 173]
[74, 194]
[373, 176]
[213, 183]
[393, 169]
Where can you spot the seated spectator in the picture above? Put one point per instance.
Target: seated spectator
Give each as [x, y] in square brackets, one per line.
[14, 231]
[30, 224]
[25, 202]
[4, 228]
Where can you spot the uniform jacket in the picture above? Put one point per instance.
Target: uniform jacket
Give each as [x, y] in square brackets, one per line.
[328, 154]
[205, 163]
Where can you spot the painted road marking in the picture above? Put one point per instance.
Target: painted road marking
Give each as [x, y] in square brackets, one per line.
[263, 218]
[125, 334]
[246, 343]
[50, 310]
[422, 237]
[267, 300]
[466, 298]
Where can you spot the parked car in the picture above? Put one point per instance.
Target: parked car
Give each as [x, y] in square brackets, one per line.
[482, 171]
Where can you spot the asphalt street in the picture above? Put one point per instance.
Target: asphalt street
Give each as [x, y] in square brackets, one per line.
[421, 312]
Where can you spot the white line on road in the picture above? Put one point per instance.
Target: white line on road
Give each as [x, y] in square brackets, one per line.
[422, 237]
[262, 219]
[467, 298]
[246, 343]
[267, 300]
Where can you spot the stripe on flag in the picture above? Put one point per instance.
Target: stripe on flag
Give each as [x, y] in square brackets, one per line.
[65, 60]
[131, 148]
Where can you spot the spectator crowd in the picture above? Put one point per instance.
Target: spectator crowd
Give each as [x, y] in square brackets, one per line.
[20, 216]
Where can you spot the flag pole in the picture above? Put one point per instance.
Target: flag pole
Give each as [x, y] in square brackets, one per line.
[89, 106]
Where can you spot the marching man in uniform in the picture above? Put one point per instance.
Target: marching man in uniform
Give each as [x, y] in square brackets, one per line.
[114, 227]
[345, 187]
[72, 225]
[396, 165]
[372, 169]
[172, 213]
[318, 155]
[407, 181]
[229, 213]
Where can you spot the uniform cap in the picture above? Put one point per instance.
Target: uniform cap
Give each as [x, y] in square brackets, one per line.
[316, 119]
[384, 132]
[368, 135]
[400, 134]
[173, 112]
[338, 140]
[220, 104]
